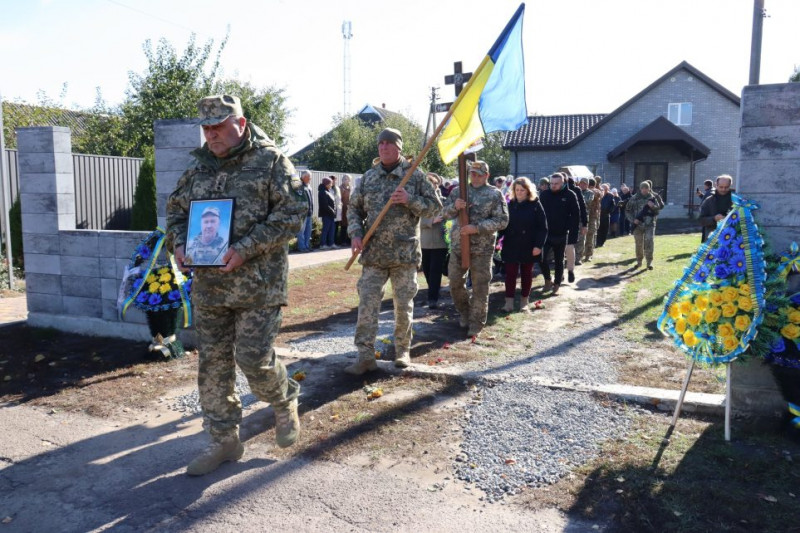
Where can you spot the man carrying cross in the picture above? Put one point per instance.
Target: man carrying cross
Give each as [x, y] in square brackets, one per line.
[394, 252]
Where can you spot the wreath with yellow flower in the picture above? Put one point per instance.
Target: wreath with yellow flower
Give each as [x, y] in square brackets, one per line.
[714, 310]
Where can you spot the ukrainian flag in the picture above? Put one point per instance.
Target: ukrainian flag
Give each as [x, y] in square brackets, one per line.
[494, 98]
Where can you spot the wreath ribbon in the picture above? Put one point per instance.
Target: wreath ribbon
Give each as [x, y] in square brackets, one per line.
[795, 410]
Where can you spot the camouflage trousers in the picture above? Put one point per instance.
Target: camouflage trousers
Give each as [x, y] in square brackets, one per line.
[591, 236]
[370, 293]
[237, 336]
[580, 244]
[473, 309]
[644, 239]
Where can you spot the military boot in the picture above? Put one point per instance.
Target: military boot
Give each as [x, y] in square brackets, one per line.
[365, 363]
[402, 359]
[216, 453]
[287, 421]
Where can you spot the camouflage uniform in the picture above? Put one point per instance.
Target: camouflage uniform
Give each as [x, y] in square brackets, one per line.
[238, 313]
[593, 210]
[392, 253]
[644, 232]
[206, 254]
[488, 211]
[580, 246]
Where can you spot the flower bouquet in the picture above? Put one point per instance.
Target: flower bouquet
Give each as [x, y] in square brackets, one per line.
[160, 290]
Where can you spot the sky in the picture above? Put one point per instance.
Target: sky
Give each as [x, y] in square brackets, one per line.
[581, 56]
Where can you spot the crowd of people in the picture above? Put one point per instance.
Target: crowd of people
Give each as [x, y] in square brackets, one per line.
[427, 221]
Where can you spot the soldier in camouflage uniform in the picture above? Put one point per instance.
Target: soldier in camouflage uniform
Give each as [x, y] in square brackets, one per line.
[488, 214]
[588, 198]
[208, 247]
[238, 306]
[393, 252]
[593, 210]
[644, 229]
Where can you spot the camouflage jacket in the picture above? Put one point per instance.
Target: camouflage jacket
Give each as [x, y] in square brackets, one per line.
[637, 203]
[588, 197]
[593, 208]
[207, 254]
[487, 210]
[268, 211]
[396, 239]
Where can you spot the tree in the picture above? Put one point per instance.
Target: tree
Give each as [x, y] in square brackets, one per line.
[143, 213]
[351, 145]
[264, 107]
[796, 76]
[169, 87]
[499, 160]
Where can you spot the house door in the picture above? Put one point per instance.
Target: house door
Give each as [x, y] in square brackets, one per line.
[656, 173]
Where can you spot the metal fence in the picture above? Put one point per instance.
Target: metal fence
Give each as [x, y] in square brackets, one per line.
[104, 189]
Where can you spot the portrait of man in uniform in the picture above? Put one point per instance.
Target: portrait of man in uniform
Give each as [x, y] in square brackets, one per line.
[209, 231]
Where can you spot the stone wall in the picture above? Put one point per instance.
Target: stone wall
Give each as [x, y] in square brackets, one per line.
[73, 276]
[769, 174]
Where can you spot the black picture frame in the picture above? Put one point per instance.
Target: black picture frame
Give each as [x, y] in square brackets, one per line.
[199, 251]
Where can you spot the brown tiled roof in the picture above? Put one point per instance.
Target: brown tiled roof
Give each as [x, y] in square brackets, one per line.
[550, 131]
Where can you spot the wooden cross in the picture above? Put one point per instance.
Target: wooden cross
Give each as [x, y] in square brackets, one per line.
[457, 78]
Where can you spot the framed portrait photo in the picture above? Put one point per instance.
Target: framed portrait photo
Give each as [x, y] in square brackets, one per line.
[209, 234]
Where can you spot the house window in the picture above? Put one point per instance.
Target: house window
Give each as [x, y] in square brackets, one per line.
[680, 114]
[656, 173]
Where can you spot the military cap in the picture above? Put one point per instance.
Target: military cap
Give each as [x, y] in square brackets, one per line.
[544, 180]
[213, 211]
[479, 167]
[646, 183]
[391, 135]
[214, 109]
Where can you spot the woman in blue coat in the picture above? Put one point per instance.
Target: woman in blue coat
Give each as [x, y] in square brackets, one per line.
[523, 240]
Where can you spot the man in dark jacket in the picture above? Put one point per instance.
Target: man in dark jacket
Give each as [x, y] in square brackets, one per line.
[716, 206]
[563, 222]
[572, 260]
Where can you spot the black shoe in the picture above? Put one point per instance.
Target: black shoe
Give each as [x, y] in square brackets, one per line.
[649, 267]
[571, 276]
[578, 262]
[433, 305]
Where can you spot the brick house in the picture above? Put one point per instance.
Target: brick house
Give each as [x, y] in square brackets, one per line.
[679, 131]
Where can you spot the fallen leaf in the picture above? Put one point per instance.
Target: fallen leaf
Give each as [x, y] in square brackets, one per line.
[621, 479]
[377, 354]
[299, 375]
[770, 499]
[446, 346]
[39, 358]
[335, 417]
[511, 461]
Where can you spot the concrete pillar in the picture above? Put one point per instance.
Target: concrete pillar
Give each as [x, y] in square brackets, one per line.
[47, 196]
[769, 159]
[174, 141]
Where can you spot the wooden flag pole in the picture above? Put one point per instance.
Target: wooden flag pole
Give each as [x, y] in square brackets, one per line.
[402, 184]
[463, 214]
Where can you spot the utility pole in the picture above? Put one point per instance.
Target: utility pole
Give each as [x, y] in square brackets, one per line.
[431, 124]
[5, 185]
[759, 14]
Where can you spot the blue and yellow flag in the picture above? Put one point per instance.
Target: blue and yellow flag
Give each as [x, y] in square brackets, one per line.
[494, 98]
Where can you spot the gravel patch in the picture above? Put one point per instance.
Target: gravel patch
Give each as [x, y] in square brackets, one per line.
[520, 435]
[190, 403]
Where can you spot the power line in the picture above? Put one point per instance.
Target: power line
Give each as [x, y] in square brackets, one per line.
[120, 4]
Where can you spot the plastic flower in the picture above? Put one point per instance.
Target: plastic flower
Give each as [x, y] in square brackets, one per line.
[152, 278]
[153, 287]
[727, 235]
[143, 251]
[137, 283]
[733, 218]
[778, 346]
[694, 318]
[790, 331]
[737, 264]
[729, 294]
[685, 307]
[674, 311]
[722, 271]
[141, 297]
[744, 289]
[701, 302]
[716, 298]
[154, 299]
[166, 277]
[728, 310]
[701, 275]
[730, 343]
[795, 298]
[742, 322]
[722, 254]
[689, 338]
[174, 296]
[794, 316]
[745, 303]
[712, 315]
[163, 270]
[726, 330]
[187, 287]
[164, 288]
[680, 326]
